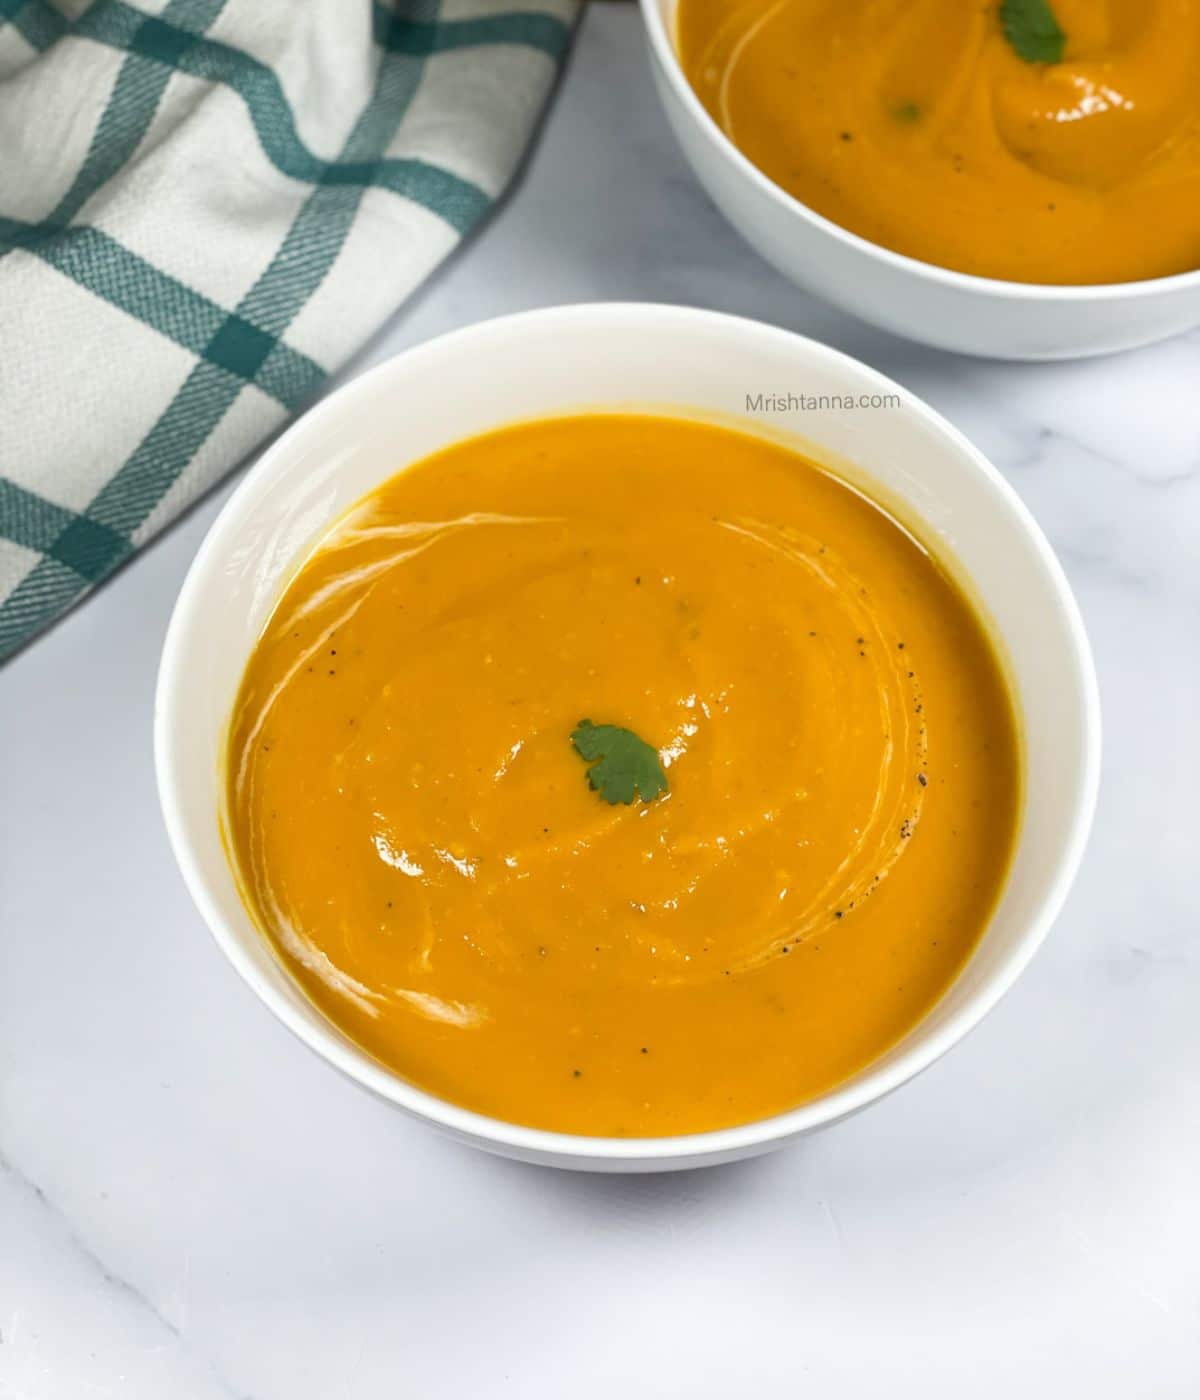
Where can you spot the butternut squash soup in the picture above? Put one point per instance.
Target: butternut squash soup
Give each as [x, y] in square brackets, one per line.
[1052, 141]
[622, 775]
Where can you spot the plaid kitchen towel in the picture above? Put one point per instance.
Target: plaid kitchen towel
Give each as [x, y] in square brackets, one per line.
[205, 207]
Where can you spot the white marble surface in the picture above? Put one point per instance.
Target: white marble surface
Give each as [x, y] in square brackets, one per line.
[193, 1206]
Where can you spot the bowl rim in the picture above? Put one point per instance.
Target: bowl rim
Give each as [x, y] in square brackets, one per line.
[500, 1135]
[663, 47]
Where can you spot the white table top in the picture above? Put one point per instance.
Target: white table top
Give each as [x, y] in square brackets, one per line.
[193, 1206]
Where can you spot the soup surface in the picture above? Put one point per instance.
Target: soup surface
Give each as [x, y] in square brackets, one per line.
[917, 124]
[439, 867]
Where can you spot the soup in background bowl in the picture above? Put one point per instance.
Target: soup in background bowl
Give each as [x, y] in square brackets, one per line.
[928, 127]
[677, 389]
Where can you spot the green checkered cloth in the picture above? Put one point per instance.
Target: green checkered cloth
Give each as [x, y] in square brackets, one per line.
[205, 207]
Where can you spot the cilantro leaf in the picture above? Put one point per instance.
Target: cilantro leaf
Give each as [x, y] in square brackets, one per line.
[626, 766]
[1032, 30]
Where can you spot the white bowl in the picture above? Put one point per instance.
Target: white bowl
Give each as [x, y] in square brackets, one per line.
[952, 310]
[653, 357]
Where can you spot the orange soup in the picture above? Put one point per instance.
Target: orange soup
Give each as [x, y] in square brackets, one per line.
[967, 134]
[622, 775]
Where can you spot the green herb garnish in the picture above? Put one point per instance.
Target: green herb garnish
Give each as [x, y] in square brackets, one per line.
[1032, 30]
[907, 112]
[623, 766]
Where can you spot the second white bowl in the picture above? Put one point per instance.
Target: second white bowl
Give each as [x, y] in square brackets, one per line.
[952, 310]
